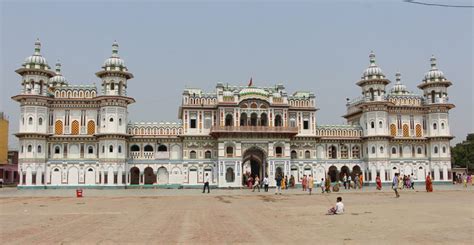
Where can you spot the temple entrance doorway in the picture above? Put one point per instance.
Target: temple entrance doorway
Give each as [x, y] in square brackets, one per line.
[253, 164]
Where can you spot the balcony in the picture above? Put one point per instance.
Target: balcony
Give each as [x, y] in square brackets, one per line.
[217, 131]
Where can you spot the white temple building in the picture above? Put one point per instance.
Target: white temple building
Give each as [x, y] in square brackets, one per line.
[72, 135]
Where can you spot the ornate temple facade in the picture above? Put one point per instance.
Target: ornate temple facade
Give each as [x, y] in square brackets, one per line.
[79, 135]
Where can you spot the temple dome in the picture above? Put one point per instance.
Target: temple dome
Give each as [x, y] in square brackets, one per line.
[36, 61]
[114, 62]
[434, 74]
[399, 88]
[373, 69]
[254, 91]
[58, 79]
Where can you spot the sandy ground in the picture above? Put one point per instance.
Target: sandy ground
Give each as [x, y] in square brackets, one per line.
[235, 216]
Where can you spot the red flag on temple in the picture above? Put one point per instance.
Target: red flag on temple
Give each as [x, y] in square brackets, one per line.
[250, 82]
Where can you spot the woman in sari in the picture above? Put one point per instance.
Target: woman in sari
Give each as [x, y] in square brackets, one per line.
[400, 182]
[283, 183]
[361, 180]
[292, 181]
[379, 183]
[328, 184]
[429, 184]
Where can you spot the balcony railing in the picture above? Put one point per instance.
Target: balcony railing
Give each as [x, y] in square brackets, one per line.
[253, 129]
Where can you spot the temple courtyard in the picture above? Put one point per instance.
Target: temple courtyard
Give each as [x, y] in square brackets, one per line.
[236, 216]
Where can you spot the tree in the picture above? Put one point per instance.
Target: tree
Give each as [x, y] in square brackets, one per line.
[463, 153]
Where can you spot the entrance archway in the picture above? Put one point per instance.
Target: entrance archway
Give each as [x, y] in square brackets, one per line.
[254, 163]
[344, 170]
[163, 176]
[134, 176]
[356, 171]
[279, 171]
[333, 173]
[149, 176]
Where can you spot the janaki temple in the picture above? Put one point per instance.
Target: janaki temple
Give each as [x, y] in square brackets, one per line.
[80, 135]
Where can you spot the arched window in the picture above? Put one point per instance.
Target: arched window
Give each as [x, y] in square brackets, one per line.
[111, 148]
[418, 151]
[344, 152]
[381, 149]
[394, 150]
[229, 121]
[39, 148]
[135, 148]
[372, 95]
[355, 152]
[120, 121]
[119, 149]
[30, 148]
[243, 119]
[436, 150]
[192, 154]
[30, 121]
[111, 119]
[148, 148]
[162, 148]
[103, 149]
[229, 151]
[229, 175]
[373, 149]
[278, 151]
[294, 155]
[278, 121]
[433, 96]
[372, 124]
[112, 86]
[40, 121]
[75, 127]
[253, 119]
[393, 130]
[332, 152]
[263, 119]
[90, 127]
[435, 126]
[90, 150]
[57, 150]
[380, 124]
[444, 149]
[207, 155]
[307, 154]
[442, 125]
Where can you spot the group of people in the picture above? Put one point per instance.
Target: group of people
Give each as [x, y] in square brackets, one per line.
[400, 182]
[464, 179]
[348, 183]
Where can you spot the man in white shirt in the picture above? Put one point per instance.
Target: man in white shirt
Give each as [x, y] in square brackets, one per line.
[338, 209]
[265, 183]
[206, 183]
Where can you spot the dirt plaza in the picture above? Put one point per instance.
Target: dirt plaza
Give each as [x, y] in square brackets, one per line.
[445, 216]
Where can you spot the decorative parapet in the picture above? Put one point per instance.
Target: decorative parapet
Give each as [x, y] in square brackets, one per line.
[155, 129]
[75, 91]
[339, 131]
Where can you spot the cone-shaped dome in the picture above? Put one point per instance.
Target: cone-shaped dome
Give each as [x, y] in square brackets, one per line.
[36, 61]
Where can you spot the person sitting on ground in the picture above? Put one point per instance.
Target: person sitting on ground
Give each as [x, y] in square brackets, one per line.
[338, 209]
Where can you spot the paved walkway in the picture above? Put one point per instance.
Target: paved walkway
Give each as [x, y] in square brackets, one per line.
[14, 192]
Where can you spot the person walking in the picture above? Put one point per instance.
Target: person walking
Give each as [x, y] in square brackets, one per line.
[464, 180]
[395, 182]
[310, 183]
[356, 181]
[265, 183]
[361, 180]
[256, 184]
[344, 181]
[349, 182]
[292, 181]
[328, 184]
[379, 182]
[283, 183]
[278, 184]
[412, 181]
[304, 182]
[206, 184]
[428, 183]
[322, 185]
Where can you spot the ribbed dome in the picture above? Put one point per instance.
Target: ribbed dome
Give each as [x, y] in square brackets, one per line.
[252, 90]
[434, 74]
[373, 69]
[36, 60]
[58, 79]
[399, 88]
[114, 62]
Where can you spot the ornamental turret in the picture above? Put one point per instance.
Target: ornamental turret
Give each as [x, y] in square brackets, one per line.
[399, 88]
[114, 74]
[58, 79]
[373, 81]
[35, 73]
[435, 85]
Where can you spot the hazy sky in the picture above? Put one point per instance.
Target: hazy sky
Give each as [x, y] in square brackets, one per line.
[321, 46]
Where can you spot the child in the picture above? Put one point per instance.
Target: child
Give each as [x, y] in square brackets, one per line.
[338, 209]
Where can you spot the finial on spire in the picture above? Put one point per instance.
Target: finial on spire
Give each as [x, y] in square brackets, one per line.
[58, 66]
[398, 76]
[433, 62]
[372, 57]
[37, 46]
[115, 49]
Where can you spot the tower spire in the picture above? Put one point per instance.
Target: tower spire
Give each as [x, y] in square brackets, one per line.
[115, 49]
[37, 46]
[372, 58]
